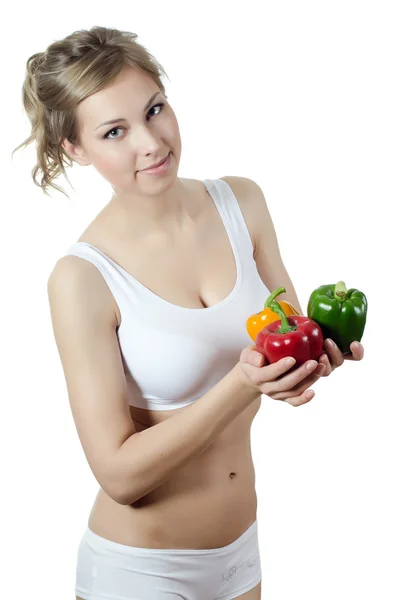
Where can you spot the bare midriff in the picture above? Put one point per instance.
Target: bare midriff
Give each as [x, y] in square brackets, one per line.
[207, 504]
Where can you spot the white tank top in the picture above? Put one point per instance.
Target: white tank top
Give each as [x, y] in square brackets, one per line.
[171, 354]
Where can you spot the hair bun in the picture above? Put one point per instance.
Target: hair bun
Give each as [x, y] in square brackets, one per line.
[35, 62]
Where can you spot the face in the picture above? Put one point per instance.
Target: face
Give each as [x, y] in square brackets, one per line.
[142, 134]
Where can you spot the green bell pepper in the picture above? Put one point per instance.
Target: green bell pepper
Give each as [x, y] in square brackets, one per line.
[341, 313]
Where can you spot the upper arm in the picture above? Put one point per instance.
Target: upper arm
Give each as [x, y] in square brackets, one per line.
[84, 328]
[267, 253]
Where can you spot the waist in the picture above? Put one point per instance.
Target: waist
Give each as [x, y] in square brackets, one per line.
[199, 510]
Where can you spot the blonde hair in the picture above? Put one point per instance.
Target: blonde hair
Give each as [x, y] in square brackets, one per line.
[67, 72]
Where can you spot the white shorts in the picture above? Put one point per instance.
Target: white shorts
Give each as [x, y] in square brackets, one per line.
[107, 570]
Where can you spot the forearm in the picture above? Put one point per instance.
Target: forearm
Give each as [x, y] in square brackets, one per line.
[150, 457]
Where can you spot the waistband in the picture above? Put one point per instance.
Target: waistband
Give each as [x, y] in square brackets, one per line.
[103, 543]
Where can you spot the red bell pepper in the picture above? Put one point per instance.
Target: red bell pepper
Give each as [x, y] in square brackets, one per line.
[296, 336]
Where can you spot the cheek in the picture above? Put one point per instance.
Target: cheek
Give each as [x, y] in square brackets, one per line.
[175, 142]
[112, 168]
[111, 158]
[171, 125]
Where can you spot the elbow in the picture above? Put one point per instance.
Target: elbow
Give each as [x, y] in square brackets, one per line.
[112, 491]
[119, 496]
[125, 497]
[123, 482]
[120, 492]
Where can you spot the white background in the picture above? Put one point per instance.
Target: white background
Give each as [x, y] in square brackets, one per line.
[300, 97]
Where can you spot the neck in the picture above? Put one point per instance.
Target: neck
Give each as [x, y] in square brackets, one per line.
[159, 215]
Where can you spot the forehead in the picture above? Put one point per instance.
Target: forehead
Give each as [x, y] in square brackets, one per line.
[128, 92]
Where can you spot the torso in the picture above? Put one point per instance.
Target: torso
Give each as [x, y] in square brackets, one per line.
[212, 500]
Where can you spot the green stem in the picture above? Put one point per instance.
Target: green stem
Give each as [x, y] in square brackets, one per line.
[340, 291]
[274, 295]
[285, 326]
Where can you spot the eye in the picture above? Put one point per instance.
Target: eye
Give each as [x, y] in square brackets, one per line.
[106, 136]
[161, 104]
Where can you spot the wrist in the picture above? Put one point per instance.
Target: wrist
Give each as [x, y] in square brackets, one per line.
[244, 383]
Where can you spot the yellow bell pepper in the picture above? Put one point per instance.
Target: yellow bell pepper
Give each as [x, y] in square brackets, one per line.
[258, 321]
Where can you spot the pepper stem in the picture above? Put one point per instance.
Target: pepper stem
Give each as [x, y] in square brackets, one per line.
[340, 291]
[285, 326]
[274, 295]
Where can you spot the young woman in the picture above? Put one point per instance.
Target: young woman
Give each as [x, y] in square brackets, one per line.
[148, 309]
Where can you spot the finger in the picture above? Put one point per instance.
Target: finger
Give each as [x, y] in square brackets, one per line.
[251, 356]
[291, 380]
[269, 373]
[336, 357]
[309, 381]
[274, 370]
[357, 351]
[298, 391]
[303, 398]
[324, 360]
[256, 359]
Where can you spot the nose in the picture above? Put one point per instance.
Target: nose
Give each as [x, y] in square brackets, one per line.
[144, 141]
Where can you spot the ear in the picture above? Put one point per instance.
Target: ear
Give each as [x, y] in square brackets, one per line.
[76, 153]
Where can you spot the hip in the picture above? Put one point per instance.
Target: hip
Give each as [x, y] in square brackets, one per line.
[105, 568]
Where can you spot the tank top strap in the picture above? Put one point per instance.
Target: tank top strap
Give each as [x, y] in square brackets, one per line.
[232, 216]
[115, 277]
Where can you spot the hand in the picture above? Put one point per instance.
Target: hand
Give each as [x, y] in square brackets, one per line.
[334, 358]
[275, 381]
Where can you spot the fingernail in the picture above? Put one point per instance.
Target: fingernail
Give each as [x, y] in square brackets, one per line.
[329, 343]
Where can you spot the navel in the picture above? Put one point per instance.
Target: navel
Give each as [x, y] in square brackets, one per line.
[231, 475]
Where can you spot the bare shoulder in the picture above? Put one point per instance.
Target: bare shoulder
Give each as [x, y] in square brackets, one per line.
[252, 203]
[267, 253]
[75, 277]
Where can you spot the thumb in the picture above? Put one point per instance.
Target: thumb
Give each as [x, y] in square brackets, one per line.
[253, 357]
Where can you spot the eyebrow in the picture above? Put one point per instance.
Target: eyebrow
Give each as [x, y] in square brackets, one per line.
[148, 103]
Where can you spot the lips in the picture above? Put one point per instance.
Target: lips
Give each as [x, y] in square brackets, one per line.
[156, 165]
